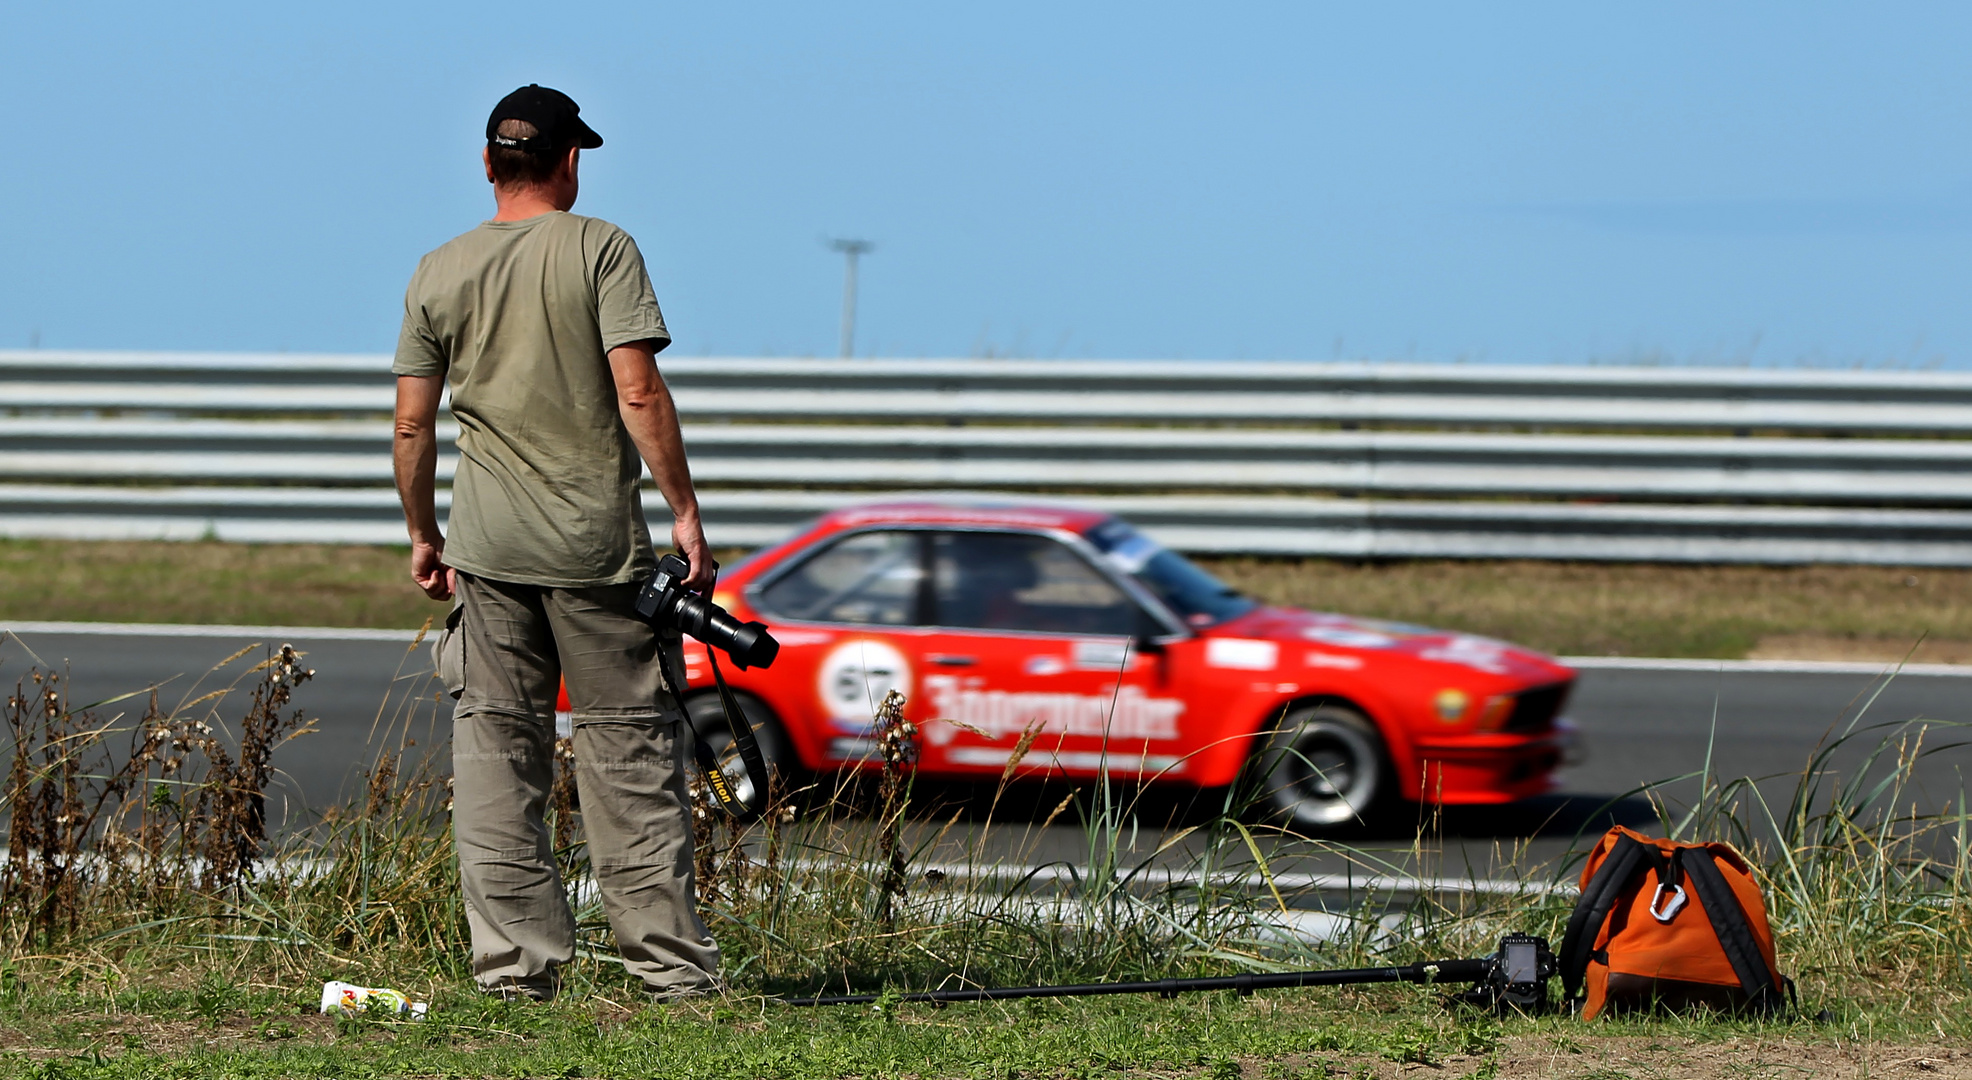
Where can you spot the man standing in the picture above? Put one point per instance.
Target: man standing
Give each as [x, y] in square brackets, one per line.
[545, 327]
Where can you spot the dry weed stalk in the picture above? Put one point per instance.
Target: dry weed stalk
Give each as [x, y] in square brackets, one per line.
[89, 827]
[726, 876]
[897, 740]
[564, 800]
[705, 853]
[233, 798]
[54, 806]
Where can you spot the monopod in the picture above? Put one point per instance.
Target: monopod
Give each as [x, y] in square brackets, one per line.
[1514, 978]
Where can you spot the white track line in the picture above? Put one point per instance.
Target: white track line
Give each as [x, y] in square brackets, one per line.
[287, 633]
[1757, 667]
[1585, 663]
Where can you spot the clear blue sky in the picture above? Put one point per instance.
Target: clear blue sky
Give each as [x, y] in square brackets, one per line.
[1708, 183]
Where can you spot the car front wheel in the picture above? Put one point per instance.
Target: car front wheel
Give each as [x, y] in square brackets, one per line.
[710, 727]
[1323, 767]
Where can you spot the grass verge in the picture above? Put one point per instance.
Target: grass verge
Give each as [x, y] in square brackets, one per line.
[1640, 609]
[1810, 612]
[210, 582]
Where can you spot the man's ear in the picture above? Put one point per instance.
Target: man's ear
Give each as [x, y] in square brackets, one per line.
[486, 158]
[570, 161]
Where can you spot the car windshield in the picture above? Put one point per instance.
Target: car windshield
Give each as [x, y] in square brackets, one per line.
[1198, 597]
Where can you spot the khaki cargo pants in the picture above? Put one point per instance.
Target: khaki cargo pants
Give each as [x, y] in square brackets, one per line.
[505, 649]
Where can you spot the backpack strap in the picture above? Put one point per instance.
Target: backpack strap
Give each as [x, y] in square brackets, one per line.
[1729, 925]
[1626, 860]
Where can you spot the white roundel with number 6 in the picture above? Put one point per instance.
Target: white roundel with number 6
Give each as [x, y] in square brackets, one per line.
[854, 678]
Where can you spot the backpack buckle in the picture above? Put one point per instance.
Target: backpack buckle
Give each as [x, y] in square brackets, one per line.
[1665, 910]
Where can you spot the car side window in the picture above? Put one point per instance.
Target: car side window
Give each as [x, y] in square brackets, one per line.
[869, 578]
[1019, 581]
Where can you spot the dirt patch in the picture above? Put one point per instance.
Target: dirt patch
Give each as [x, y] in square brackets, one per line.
[1646, 1058]
[1861, 649]
[1614, 1058]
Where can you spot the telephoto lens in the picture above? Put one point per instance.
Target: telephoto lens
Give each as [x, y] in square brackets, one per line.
[665, 603]
[748, 644]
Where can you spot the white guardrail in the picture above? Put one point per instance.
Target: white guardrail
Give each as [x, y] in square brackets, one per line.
[1347, 459]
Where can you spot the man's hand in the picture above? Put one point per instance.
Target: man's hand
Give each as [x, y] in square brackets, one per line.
[689, 538]
[428, 569]
[652, 421]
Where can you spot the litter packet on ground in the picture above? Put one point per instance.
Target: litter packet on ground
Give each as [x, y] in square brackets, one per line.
[348, 999]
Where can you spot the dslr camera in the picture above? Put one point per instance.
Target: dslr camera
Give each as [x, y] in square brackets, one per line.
[665, 603]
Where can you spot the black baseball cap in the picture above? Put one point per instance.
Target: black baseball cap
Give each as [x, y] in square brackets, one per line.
[554, 114]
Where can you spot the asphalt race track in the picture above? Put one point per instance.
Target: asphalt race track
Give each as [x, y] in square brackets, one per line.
[1639, 725]
[359, 688]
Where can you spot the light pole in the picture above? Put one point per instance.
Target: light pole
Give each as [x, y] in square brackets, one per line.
[851, 251]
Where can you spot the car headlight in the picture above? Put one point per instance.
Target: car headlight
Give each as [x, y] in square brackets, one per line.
[1451, 704]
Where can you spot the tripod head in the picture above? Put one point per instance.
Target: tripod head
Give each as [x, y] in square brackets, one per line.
[1515, 978]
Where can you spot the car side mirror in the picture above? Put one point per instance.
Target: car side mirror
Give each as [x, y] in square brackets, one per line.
[1149, 635]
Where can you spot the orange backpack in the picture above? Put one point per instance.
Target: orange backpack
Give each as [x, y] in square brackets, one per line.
[1664, 923]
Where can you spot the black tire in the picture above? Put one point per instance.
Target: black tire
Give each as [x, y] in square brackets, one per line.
[1323, 768]
[709, 726]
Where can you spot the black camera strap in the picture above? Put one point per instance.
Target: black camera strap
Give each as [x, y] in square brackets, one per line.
[716, 779]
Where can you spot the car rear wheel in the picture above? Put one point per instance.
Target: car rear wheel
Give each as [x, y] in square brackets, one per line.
[709, 726]
[1323, 768]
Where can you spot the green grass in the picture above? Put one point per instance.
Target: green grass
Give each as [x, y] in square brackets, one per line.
[1836, 612]
[269, 1034]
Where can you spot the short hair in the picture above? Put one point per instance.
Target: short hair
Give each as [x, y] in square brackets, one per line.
[514, 166]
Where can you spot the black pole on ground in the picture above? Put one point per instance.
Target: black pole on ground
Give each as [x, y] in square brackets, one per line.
[1434, 971]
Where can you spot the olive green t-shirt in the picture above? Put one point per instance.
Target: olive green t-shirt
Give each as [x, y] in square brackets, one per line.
[520, 317]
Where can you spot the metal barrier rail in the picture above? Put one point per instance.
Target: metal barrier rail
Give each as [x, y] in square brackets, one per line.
[1148, 391]
[279, 448]
[1649, 468]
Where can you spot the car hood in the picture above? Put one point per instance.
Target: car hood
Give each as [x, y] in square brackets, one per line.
[1323, 639]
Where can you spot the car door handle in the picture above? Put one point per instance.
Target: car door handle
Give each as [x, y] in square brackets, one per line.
[952, 660]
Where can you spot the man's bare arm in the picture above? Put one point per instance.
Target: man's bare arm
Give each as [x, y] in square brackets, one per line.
[414, 460]
[652, 420]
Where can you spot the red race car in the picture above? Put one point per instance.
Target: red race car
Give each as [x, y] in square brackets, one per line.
[992, 618]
